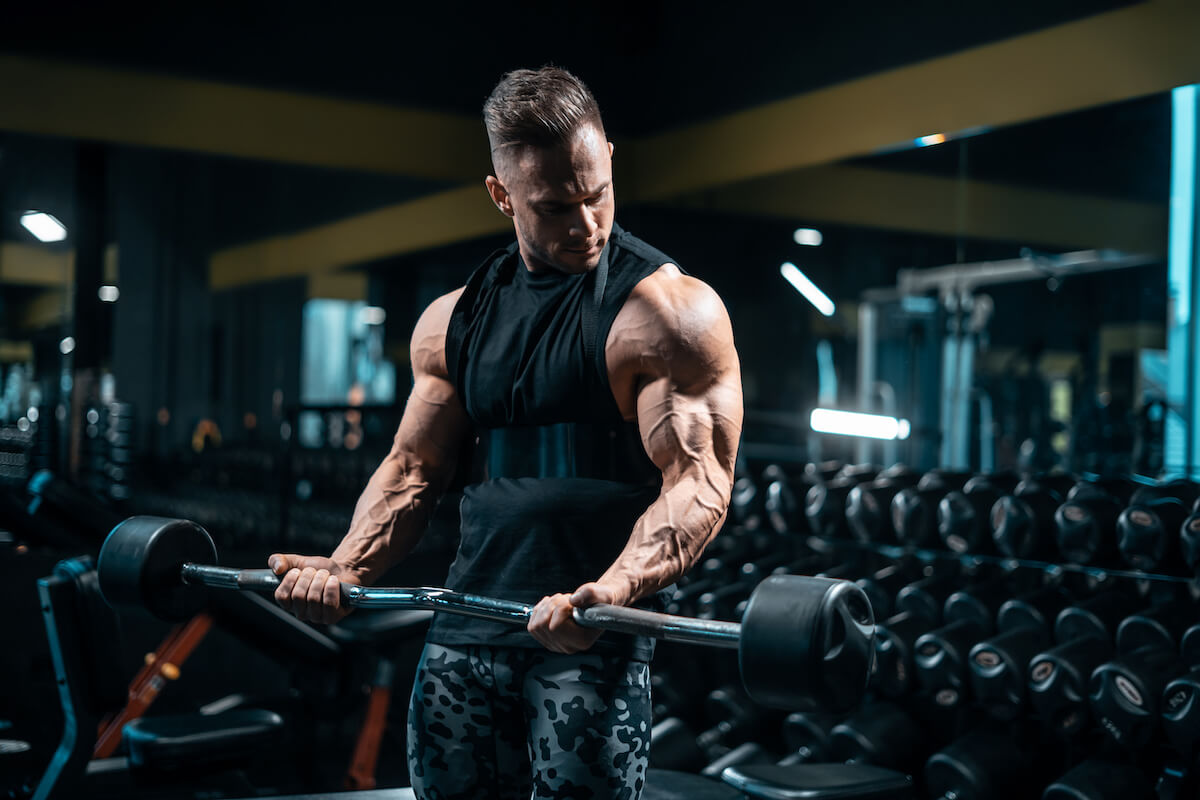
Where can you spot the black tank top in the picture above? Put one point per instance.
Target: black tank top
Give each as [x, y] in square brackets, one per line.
[561, 477]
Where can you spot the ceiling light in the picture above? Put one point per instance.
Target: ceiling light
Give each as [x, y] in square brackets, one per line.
[807, 288]
[44, 226]
[109, 294]
[853, 423]
[809, 237]
[67, 345]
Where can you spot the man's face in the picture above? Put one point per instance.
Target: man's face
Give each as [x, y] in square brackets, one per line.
[561, 200]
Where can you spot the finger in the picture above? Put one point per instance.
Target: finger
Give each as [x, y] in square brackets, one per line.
[279, 563]
[331, 602]
[300, 593]
[585, 596]
[283, 592]
[316, 591]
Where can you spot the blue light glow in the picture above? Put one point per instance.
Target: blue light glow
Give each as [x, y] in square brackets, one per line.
[1183, 199]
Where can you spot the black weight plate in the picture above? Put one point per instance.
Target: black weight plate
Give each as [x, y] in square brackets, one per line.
[807, 643]
[140, 561]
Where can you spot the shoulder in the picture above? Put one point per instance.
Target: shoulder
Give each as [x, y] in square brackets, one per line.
[674, 323]
[428, 346]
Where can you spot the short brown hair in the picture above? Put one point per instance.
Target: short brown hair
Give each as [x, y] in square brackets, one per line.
[543, 108]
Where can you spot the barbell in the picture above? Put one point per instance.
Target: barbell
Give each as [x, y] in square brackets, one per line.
[804, 643]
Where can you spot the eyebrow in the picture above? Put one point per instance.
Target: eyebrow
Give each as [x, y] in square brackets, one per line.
[550, 203]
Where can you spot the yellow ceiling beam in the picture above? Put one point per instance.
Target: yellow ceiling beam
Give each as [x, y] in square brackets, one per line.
[1119, 55]
[35, 265]
[338, 286]
[54, 98]
[929, 204]
[432, 221]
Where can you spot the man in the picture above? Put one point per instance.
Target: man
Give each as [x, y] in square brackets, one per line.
[605, 391]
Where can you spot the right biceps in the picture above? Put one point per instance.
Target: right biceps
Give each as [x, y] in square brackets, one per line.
[431, 431]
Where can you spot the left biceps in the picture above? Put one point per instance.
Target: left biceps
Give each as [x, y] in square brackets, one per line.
[691, 433]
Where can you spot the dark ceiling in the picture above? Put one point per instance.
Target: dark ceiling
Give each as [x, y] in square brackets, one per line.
[653, 64]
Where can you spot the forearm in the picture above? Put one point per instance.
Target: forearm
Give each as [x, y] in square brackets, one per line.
[389, 518]
[669, 537]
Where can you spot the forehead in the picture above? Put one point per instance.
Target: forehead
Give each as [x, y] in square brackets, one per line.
[583, 166]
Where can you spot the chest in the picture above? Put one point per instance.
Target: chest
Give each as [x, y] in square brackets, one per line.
[525, 359]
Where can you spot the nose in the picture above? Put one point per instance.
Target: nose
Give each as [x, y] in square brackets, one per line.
[583, 222]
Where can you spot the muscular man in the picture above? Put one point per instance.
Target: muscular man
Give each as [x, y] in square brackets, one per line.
[604, 389]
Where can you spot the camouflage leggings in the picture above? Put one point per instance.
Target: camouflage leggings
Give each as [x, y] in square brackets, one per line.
[497, 722]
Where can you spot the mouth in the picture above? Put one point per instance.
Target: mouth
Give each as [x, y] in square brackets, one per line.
[590, 250]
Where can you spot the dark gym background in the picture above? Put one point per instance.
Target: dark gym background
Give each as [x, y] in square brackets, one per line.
[277, 190]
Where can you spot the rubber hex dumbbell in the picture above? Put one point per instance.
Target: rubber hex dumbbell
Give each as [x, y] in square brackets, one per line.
[1148, 535]
[825, 503]
[1058, 682]
[1099, 615]
[882, 586]
[1086, 524]
[914, 509]
[927, 596]
[1181, 712]
[1039, 608]
[893, 673]
[941, 655]
[1023, 522]
[998, 670]
[964, 518]
[1097, 779]
[806, 737]
[868, 506]
[983, 765]
[882, 734]
[1126, 693]
[980, 603]
[1162, 626]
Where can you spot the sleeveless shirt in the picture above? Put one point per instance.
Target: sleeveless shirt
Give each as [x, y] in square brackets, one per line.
[563, 476]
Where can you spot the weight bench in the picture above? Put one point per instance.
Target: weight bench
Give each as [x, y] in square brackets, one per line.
[82, 632]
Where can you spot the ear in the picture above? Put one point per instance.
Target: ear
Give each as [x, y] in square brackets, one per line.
[611, 148]
[499, 195]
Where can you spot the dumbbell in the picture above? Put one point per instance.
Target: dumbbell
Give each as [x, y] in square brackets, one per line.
[882, 734]
[1148, 533]
[882, 586]
[783, 511]
[927, 597]
[1162, 626]
[980, 602]
[868, 505]
[964, 518]
[982, 765]
[940, 656]
[745, 503]
[998, 669]
[825, 503]
[914, 509]
[1189, 542]
[1181, 712]
[1097, 779]
[802, 643]
[1126, 693]
[734, 720]
[892, 673]
[1038, 608]
[1099, 615]
[1086, 524]
[1058, 681]
[805, 736]
[1023, 522]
